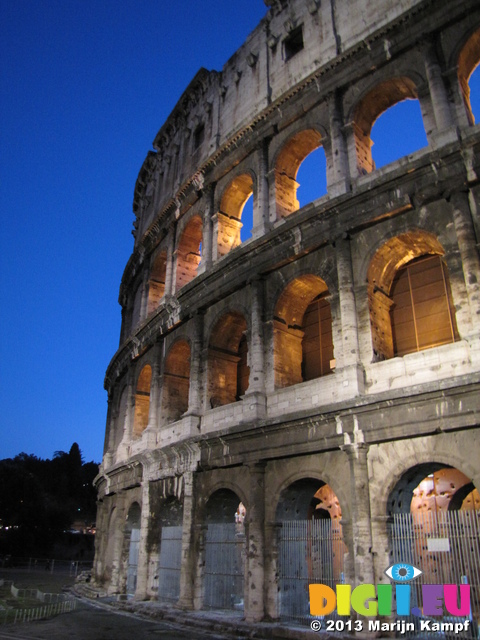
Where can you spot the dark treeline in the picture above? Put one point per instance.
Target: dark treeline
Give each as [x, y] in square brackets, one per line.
[41, 499]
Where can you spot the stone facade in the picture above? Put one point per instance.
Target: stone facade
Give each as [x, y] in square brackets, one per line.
[211, 403]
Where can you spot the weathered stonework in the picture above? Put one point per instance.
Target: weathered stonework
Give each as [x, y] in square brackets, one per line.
[210, 400]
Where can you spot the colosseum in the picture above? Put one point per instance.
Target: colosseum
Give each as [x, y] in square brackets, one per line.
[295, 397]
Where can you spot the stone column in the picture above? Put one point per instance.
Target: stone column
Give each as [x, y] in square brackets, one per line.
[465, 231]
[255, 398]
[169, 267]
[271, 566]
[255, 546]
[141, 591]
[439, 96]
[150, 433]
[261, 222]
[122, 451]
[207, 232]
[339, 175]
[194, 392]
[350, 361]
[117, 544]
[360, 509]
[187, 572]
[144, 300]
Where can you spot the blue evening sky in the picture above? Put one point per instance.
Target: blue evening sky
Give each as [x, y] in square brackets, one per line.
[85, 86]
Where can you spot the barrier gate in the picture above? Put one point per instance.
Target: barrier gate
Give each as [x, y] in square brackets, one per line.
[169, 563]
[309, 551]
[445, 546]
[224, 566]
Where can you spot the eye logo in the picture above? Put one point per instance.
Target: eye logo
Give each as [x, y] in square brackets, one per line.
[402, 572]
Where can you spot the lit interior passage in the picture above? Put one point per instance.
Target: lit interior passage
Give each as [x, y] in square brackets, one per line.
[422, 310]
[156, 284]
[228, 371]
[189, 252]
[288, 163]
[176, 382]
[303, 339]
[142, 401]
[409, 296]
[230, 219]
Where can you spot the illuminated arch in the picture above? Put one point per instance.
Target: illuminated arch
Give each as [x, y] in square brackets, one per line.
[303, 342]
[142, 401]
[371, 106]
[392, 287]
[156, 284]
[228, 371]
[229, 217]
[288, 161]
[468, 61]
[176, 381]
[189, 252]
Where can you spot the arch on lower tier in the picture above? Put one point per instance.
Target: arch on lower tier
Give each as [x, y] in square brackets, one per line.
[142, 401]
[228, 370]
[189, 252]
[223, 551]
[302, 335]
[176, 381]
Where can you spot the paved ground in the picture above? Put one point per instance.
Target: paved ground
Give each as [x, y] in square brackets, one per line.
[91, 622]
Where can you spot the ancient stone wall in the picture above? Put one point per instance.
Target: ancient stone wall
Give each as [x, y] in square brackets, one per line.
[216, 396]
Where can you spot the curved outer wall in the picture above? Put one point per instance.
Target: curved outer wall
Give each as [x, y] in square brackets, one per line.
[207, 391]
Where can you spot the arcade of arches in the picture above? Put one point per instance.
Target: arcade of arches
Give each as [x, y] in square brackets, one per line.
[295, 394]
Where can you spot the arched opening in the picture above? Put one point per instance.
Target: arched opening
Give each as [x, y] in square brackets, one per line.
[469, 76]
[288, 163]
[189, 252]
[377, 101]
[142, 401]
[409, 294]
[435, 527]
[303, 338]
[310, 544]
[312, 177]
[387, 145]
[132, 539]
[228, 372]
[422, 310]
[224, 551]
[176, 381]
[156, 284]
[170, 553]
[231, 228]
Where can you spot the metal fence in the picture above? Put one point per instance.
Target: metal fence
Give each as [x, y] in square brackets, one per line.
[50, 604]
[169, 563]
[309, 551]
[52, 565]
[224, 566]
[445, 546]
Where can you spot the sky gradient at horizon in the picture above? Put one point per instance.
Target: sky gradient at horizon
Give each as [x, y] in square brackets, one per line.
[86, 87]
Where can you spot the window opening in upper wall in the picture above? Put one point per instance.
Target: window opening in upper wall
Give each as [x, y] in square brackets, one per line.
[293, 43]
[397, 132]
[198, 136]
[312, 177]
